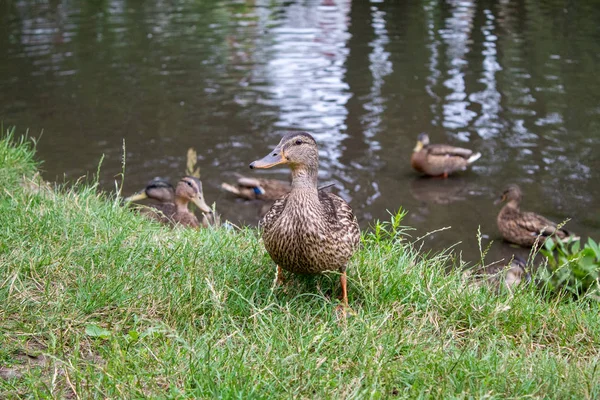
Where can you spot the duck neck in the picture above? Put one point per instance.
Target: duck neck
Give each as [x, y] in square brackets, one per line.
[181, 204]
[304, 178]
[514, 204]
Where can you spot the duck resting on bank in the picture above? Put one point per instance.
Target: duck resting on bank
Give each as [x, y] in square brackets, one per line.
[158, 189]
[522, 227]
[308, 230]
[258, 188]
[440, 159]
[505, 276]
[173, 204]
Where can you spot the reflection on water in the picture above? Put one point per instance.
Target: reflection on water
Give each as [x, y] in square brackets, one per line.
[515, 80]
[305, 74]
[457, 36]
[437, 191]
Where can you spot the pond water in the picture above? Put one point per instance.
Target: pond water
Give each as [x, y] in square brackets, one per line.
[515, 80]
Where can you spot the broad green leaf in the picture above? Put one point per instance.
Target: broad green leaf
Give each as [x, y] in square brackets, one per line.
[133, 335]
[594, 246]
[96, 331]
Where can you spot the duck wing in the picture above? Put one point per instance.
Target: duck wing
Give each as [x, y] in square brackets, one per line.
[334, 208]
[447, 150]
[248, 182]
[340, 217]
[536, 224]
[266, 223]
[275, 188]
[263, 189]
[160, 212]
[185, 219]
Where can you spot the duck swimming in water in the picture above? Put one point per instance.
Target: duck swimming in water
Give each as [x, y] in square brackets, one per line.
[440, 159]
[258, 188]
[522, 227]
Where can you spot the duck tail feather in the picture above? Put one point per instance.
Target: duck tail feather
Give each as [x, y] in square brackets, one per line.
[474, 158]
[569, 236]
[230, 188]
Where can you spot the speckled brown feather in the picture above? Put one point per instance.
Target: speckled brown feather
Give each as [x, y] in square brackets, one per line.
[503, 276]
[167, 214]
[310, 232]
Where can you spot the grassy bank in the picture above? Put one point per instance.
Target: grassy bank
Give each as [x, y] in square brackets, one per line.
[96, 301]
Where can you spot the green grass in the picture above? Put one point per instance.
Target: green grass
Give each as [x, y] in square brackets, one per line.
[97, 302]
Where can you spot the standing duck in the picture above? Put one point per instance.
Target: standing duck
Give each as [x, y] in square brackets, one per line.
[176, 210]
[258, 189]
[440, 159]
[309, 230]
[522, 227]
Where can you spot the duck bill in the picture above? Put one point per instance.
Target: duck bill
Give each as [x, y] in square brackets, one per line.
[418, 147]
[275, 158]
[136, 197]
[500, 200]
[201, 204]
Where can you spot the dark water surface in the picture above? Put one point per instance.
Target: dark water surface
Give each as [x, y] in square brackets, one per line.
[516, 80]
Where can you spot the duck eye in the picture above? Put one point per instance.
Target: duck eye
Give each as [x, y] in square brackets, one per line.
[188, 183]
[298, 142]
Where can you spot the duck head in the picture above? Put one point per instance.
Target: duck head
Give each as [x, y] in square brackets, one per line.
[512, 193]
[189, 189]
[157, 189]
[297, 149]
[422, 141]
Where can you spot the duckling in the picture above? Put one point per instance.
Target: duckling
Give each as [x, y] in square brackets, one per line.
[522, 227]
[258, 188]
[308, 230]
[440, 159]
[176, 211]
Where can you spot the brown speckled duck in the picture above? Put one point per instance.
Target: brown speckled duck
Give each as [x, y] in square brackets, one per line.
[258, 188]
[522, 227]
[501, 276]
[440, 159]
[173, 205]
[509, 276]
[308, 230]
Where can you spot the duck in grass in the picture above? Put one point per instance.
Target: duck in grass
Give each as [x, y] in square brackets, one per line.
[509, 276]
[308, 230]
[158, 189]
[501, 276]
[440, 159]
[258, 188]
[174, 210]
[522, 227]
